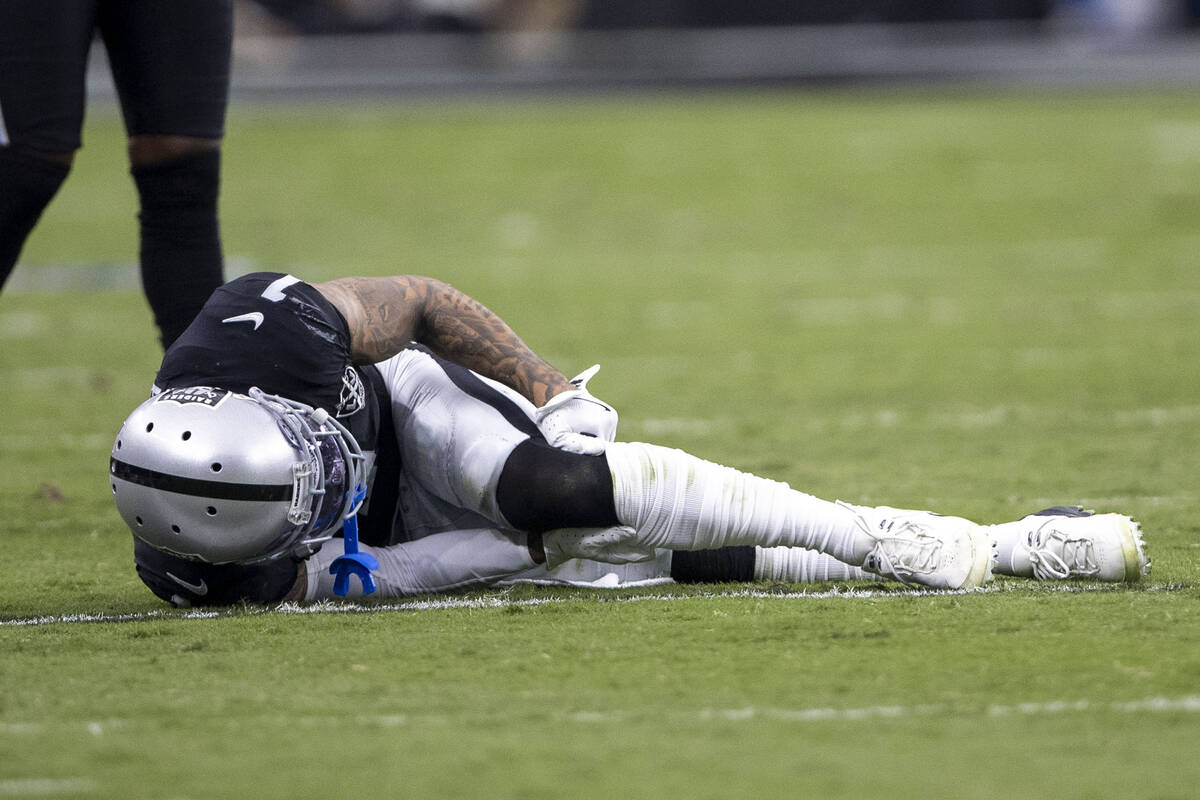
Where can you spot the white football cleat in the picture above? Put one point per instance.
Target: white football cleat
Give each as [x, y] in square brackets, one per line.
[926, 548]
[1067, 542]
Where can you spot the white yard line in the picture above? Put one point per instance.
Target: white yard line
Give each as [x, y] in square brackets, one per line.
[1185, 704]
[502, 600]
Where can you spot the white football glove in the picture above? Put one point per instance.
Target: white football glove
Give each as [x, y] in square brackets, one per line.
[616, 545]
[576, 421]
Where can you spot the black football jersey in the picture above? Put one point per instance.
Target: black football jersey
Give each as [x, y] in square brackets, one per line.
[280, 334]
[275, 332]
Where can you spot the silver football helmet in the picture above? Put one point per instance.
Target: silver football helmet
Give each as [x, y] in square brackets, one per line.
[216, 476]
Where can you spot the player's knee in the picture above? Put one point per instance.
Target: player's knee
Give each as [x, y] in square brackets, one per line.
[542, 488]
[22, 152]
[178, 187]
[145, 151]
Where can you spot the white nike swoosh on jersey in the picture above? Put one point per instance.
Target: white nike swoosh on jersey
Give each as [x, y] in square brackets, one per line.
[200, 588]
[254, 316]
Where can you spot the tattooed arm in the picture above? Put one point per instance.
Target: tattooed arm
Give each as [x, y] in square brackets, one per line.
[385, 314]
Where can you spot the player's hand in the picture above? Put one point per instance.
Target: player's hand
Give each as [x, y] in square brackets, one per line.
[576, 421]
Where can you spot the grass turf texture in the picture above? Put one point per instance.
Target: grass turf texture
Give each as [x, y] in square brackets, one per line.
[981, 304]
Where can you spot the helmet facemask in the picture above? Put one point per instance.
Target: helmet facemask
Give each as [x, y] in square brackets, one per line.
[323, 483]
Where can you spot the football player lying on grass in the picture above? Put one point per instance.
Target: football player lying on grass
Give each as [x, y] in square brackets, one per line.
[402, 414]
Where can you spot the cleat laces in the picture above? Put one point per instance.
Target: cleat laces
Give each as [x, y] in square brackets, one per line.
[898, 556]
[1056, 556]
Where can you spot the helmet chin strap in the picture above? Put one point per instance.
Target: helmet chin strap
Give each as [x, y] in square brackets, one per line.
[352, 562]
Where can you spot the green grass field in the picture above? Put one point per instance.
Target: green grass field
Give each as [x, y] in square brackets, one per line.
[978, 303]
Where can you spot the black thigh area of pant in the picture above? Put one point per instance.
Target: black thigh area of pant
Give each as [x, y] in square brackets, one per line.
[543, 488]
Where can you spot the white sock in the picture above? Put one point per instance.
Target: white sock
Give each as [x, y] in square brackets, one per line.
[675, 501]
[1012, 552]
[798, 565]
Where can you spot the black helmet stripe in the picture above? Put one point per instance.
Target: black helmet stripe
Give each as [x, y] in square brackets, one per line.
[217, 490]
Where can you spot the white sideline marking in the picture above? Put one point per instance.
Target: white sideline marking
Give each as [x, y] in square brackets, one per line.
[42, 787]
[1175, 415]
[1176, 142]
[22, 325]
[502, 600]
[1189, 704]
[33, 442]
[668, 426]
[675, 314]
[70, 375]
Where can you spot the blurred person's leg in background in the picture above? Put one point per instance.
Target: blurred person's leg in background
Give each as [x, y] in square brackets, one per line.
[171, 66]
